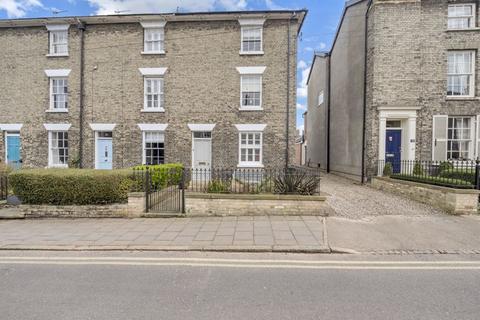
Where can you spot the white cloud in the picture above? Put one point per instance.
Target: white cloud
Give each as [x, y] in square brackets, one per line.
[302, 90]
[301, 107]
[308, 49]
[19, 8]
[302, 64]
[147, 6]
[322, 45]
[272, 5]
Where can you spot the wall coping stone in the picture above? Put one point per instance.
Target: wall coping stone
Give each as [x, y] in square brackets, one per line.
[431, 186]
[136, 194]
[236, 196]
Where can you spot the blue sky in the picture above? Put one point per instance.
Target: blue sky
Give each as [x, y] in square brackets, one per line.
[317, 33]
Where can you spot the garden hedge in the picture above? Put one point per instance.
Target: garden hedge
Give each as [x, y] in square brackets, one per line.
[164, 175]
[439, 181]
[461, 174]
[74, 186]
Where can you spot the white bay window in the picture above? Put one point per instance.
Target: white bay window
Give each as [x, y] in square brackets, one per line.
[461, 74]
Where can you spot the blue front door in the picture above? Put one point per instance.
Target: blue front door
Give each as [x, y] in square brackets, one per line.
[393, 149]
[13, 151]
[104, 154]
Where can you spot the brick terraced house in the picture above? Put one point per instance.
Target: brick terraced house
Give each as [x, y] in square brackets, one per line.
[400, 83]
[205, 89]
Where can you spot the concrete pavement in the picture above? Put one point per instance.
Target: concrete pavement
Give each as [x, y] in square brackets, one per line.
[160, 285]
[380, 234]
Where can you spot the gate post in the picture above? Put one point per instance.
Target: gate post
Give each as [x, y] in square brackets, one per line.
[182, 185]
[147, 189]
[477, 173]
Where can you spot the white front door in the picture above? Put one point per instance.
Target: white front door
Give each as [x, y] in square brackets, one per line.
[104, 152]
[202, 150]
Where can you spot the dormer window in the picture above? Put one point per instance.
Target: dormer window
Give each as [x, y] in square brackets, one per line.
[153, 37]
[58, 39]
[461, 16]
[251, 36]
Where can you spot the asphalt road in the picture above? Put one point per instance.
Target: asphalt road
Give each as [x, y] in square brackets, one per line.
[118, 285]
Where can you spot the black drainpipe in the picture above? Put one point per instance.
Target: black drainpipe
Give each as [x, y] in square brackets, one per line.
[287, 121]
[365, 93]
[81, 28]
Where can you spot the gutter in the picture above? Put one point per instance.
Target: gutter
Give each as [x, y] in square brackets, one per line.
[329, 73]
[81, 27]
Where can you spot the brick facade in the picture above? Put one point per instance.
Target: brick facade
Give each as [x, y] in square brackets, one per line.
[202, 85]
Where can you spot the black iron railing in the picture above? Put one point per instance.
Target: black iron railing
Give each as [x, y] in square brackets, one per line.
[254, 181]
[3, 187]
[456, 174]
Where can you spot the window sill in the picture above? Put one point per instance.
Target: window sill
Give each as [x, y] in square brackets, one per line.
[250, 165]
[58, 166]
[251, 53]
[462, 98]
[153, 52]
[57, 55]
[153, 111]
[251, 109]
[467, 29]
[57, 111]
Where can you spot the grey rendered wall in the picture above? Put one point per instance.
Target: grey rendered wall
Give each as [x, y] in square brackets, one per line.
[317, 115]
[347, 94]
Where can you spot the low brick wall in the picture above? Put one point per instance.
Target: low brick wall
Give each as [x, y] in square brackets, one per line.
[134, 208]
[246, 204]
[453, 201]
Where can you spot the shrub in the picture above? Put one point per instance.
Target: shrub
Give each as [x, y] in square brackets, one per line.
[388, 169]
[219, 186]
[439, 181]
[73, 186]
[164, 175]
[459, 174]
[418, 170]
[301, 183]
[445, 166]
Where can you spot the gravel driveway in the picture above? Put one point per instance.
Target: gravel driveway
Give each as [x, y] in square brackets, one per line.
[355, 201]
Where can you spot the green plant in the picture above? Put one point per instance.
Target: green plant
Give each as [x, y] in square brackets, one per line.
[418, 170]
[300, 183]
[439, 181]
[164, 175]
[73, 186]
[387, 169]
[74, 162]
[460, 174]
[219, 186]
[445, 166]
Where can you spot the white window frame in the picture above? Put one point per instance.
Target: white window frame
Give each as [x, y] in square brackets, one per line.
[150, 26]
[251, 71]
[57, 29]
[472, 75]
[251, 23]
[161, 95]
[250, 129]
[472, 17]
[52, 128]
[144, 144]
[471, 140]
[52, 100]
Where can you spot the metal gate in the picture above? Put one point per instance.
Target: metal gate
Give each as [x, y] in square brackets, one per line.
[164, 190]
[3, 187]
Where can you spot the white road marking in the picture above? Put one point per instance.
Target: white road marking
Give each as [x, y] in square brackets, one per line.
[246, 263]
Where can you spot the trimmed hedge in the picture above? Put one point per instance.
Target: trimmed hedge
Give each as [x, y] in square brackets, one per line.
[164, 175]
[439, 181]
[74, 186]
[461, 174]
